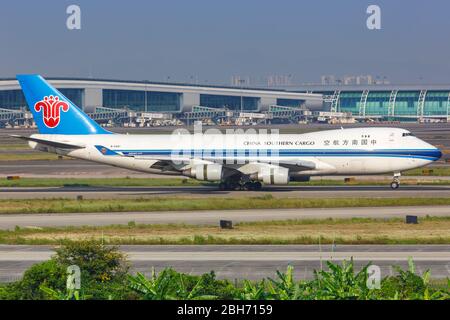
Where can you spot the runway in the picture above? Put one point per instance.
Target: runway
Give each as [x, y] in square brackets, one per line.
[210, 217]
[303, 191]
[252, 262]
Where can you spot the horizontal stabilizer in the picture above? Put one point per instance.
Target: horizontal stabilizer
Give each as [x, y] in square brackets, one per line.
[50, 143]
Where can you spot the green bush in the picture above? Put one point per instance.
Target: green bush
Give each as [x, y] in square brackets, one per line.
[9, 291]
[340, 282]
[96, 261]
[104, 269]
[171, 285]
[48, 273]
[104, 272]
[408, 285]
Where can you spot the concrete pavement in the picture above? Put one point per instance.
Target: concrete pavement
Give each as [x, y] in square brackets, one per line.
[289, 191]
[211, 217]
[253, 262]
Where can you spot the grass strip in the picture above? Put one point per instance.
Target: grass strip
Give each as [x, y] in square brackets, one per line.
[212, 203]
[15, 147]
[27, 156]
[429, 171]
[98, 182]
[167, 182]
[430, 230]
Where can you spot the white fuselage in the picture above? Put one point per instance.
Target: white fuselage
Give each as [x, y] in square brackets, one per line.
[357, 151]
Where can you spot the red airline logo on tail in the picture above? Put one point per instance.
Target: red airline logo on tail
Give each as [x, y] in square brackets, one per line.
[51, 107]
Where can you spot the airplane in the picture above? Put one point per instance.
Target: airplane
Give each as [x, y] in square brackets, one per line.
[237, 162]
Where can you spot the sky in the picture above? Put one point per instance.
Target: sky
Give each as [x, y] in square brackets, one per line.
[209, 41]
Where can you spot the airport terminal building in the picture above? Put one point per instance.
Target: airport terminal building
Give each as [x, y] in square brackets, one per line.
[395, 102]
[119, 102]
[112, 98]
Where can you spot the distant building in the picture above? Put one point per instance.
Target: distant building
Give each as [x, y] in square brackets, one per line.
[328, 80]
[239, 81]
[352, 80]
[279, 80]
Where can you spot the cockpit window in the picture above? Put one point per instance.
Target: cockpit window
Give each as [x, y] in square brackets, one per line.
[408, 134]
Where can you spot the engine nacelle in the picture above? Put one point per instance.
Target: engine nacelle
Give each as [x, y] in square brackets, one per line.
[274, 175]
[208, 172]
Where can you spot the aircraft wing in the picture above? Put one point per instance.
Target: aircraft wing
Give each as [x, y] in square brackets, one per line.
[232, 162]
[244, 166]
[298, 165]
[50, 143]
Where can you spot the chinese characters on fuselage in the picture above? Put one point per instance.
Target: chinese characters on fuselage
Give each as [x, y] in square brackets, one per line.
[347, 142]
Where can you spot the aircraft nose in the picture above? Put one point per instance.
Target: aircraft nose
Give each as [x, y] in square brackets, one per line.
[438, 153]
[434, 152]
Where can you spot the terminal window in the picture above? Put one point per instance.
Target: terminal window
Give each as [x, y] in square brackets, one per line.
[229, 102]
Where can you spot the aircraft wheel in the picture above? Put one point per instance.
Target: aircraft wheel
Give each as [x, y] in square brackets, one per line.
[232, 186]
[248, 186]
[236, 187]
[395, 185]
[257, 186]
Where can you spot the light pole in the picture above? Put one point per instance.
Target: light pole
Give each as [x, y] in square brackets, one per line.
[146, 81]
[241, 82]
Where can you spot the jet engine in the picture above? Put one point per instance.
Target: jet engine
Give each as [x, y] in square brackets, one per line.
[209, 172]
[274, 175]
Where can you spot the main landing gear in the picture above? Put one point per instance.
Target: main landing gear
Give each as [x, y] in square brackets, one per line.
[237, 185]
[395, 181]
[252, 186]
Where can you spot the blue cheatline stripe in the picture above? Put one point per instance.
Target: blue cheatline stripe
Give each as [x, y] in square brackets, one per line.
[427, 154]
[299, 150]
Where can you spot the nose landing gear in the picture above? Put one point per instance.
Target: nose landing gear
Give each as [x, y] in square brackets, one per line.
[395, 184]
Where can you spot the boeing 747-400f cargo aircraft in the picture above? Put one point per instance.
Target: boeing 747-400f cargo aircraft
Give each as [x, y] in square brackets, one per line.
[242, 161]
